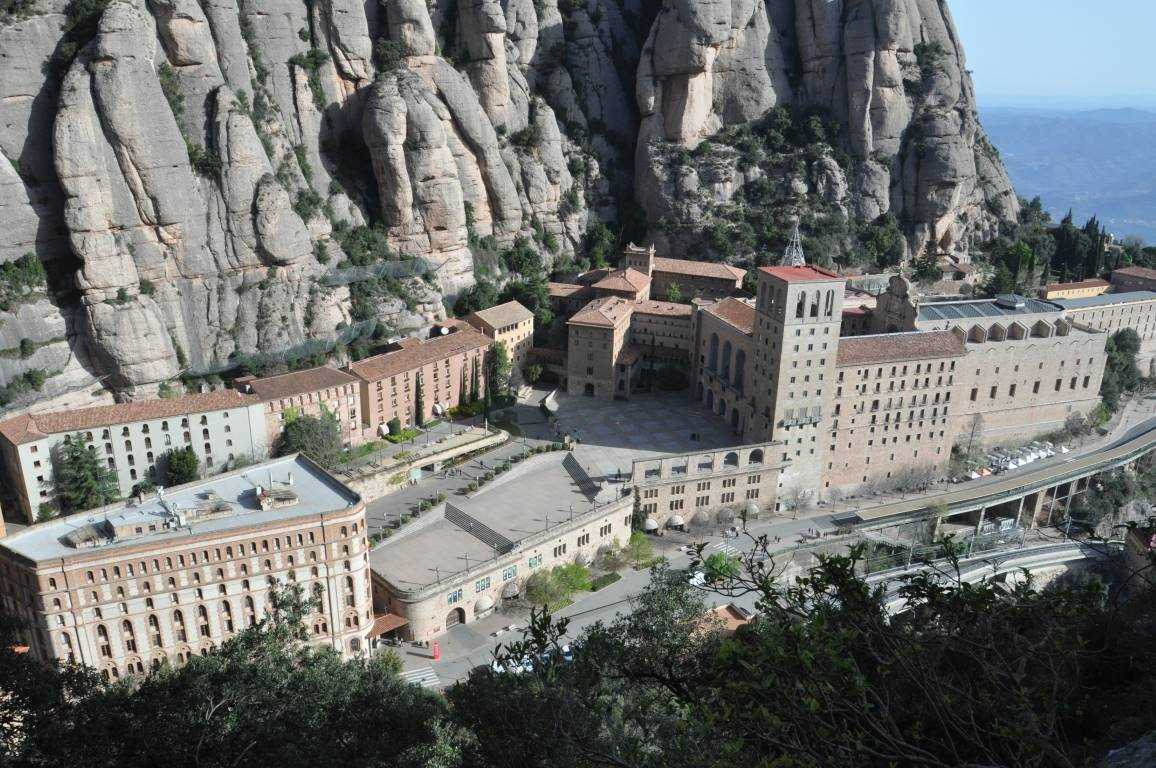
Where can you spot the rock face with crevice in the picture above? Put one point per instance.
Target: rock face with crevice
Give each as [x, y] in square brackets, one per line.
[891, 72]
[188, 175]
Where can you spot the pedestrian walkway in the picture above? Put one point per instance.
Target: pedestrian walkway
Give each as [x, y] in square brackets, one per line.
[426, 677]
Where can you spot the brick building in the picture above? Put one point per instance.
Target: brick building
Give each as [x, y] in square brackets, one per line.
[131, 586]
[892, 406]
[695, 279]
[510, 324]
[130, 437]
[445, 364]
[308, 392]
[1082, 289]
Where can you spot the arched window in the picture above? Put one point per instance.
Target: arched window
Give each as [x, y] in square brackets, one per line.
[725, 371]
[203, 620]
[815, 303]
[712, 353]
[128, 636]
[103, 641]
[756, 456]
[731, 459]
[155, 632]
[227, 616]
[179, 627]
[829, 308]
[801, 307]
[740, 368]
[250, 611]
[66, 641]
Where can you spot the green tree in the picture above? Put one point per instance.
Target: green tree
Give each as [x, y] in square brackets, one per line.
[82, 479]
[179, 466]
[418, 402]
[883, 241]
[498, 368]
[639, 550]
[317, 438]
[263, 697]
[394, 426]
[533, 373]
[1120, 372]
[674, 293]
[475, 383]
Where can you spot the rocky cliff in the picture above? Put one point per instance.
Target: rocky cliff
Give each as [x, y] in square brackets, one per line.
[206, 180]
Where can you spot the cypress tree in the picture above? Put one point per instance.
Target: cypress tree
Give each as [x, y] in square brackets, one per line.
[418, 403]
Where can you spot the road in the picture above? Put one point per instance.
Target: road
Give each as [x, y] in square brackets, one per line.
[467, 646]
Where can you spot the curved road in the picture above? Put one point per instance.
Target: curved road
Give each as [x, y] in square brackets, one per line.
[1134, 442]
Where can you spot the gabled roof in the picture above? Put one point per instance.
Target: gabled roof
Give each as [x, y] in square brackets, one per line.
[1142, 272]
[416, 354]
[735, 312]
[299, 382]
[564, 290]
[806, 274]
[698, 268]
[1092, 282]
[31, 427]
[501, 315]
[606, 312]
[629, 279]
[1106, 300]
[665, 308]
[899, 347]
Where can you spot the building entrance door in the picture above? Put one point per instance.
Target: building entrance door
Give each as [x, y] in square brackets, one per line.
[454, 617]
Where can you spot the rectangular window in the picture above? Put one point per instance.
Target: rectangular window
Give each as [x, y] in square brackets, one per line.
[535, 561]
[481, 585]
[509, 573]
[454, 597]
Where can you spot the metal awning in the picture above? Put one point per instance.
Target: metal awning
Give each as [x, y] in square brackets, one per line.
[651, 524]
[511, 589]
[485, 603]
[675, 521]
[384, 623]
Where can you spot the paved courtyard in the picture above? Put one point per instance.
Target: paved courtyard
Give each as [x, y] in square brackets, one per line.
[645, 427]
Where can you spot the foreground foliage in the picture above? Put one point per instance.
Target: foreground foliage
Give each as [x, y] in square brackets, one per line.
[970, 675]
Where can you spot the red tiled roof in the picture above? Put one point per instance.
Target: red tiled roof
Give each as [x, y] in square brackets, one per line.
[1142, 272]
[1093, 282]
[735, 312]
[699, 268]
[898, 347]
[667, 308]
[564, 290]
[806, 274]
[628, 279]
[605, 312]
[855, 310]
[501, 315]
[416, 354]
[30, 427]
[299, 382]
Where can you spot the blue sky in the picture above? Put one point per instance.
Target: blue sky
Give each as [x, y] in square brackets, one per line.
[1062, 52]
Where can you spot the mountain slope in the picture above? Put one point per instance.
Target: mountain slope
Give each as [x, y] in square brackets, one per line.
[208, 181]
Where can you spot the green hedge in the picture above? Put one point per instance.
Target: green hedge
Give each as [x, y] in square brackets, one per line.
[605, 580]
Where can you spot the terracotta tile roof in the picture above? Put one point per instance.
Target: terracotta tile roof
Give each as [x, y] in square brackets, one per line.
[564, 290]
[898, 347]
[628, 279]
[501, 315]
[699, 268]
[667, 308]
[1093, 282]
[298, 383]
[735, 312]
[606, 312]
[1142, 272]
[855, 310]
[417, 353]
[807, 274]
[29, 427]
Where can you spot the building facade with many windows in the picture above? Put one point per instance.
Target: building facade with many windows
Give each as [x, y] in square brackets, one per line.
[220, 427]
[510, 324]
[308, 393]
[131, 586]
[445, 364]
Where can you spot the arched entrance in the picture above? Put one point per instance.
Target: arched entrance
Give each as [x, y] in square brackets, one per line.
[710, 399]
[456, 616]
[735, 418]
[588, 390]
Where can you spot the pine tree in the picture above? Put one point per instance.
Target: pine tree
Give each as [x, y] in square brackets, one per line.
[475, 389]
[463, 389]
[82, 481]
[418, 403]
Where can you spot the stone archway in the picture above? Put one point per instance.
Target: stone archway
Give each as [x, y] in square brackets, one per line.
[455, 616]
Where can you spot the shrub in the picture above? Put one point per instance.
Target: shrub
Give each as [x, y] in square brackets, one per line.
[147, 288]
[605, 580]
[388, 56]
[27, 348]
[527, 138]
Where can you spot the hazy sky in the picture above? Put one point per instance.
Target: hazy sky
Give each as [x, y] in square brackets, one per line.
[1101, 52]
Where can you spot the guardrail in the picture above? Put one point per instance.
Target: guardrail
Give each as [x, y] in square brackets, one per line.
[1029, 483]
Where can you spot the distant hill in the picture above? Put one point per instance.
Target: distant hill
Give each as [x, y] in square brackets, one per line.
[1100, 162]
